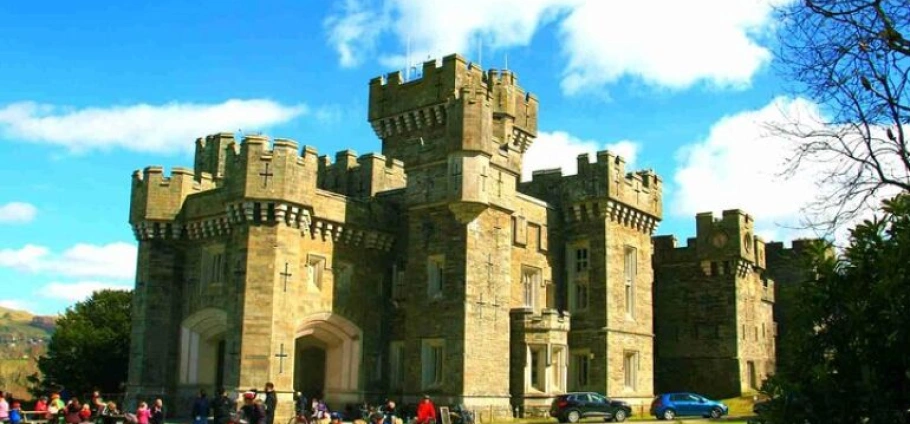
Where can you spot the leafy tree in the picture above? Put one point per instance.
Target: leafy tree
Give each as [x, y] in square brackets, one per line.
[851, 330]
[852, 57]
[90, 347]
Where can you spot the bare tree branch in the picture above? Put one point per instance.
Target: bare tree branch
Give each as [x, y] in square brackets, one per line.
[852, 59]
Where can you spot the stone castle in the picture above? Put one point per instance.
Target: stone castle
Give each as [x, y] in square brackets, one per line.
[430, 268]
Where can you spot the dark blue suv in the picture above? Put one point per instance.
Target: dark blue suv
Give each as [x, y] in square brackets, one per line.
[671, 405]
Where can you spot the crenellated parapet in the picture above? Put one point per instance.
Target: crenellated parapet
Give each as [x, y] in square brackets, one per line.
[602, 189]
[157, 199]
[259, 169]
[724, 245]
[263, 182]
[453, 108]
[363, 176]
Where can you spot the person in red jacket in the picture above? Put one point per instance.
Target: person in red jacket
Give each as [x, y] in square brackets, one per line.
[426, 411]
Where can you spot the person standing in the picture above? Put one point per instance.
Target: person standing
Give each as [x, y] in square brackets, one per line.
[426, 411]
[4, 407]
[201, 409]
[15, 413]
[143, 414]
[252, 410]
[157, 412]
[223, 407]
[271, 402]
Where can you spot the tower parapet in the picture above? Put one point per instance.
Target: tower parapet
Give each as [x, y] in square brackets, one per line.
[603, 187]
[211, 152]
[455, 107]
[363, 176]
[280, 170]
[157, 199]
[719, 243]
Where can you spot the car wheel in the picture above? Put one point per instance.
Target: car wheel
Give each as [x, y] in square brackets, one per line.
[573, 417]
[669, 414]
[619, 416]
[716, 413]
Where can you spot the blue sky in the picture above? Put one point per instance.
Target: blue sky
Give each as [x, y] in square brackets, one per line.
[91, 91]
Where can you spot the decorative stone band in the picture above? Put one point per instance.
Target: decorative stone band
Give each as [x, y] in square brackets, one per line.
[521, 139]
[148, 230]
[406, 122]
[242, 213]
[546, 320]
[616, 211]
[211, 227]
[264, 211]
[339, 233]
[743, 267]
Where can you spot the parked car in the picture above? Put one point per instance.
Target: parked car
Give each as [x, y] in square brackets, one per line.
[572, 407]
[671, 405]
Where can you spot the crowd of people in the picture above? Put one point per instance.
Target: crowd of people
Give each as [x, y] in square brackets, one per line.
[256, 408]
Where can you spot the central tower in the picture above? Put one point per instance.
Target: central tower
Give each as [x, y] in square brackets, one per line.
[461, 133]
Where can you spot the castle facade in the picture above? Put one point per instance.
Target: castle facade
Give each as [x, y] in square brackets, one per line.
[426, 269]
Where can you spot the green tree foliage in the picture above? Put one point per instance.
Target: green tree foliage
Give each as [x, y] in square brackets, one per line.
[90, 348]
[851, 330]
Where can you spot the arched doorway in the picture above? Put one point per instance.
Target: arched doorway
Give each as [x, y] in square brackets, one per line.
[202, 348]
[328, 355]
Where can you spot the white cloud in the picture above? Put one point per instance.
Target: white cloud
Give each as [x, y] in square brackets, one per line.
[741, 164]
[78, 291]
[661, 42]
[113, 260]
[146, 128]
[353, 31]
[17, 213]
[560, 149]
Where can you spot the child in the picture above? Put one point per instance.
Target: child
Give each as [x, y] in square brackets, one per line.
[143, 414]
[15, 413]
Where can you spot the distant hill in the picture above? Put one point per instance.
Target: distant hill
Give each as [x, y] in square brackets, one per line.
[23, 338]
[22, 328]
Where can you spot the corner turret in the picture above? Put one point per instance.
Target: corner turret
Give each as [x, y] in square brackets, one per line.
[156, 199]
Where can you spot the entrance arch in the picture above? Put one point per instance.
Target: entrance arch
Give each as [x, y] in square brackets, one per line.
[202, 348]
[328, 353]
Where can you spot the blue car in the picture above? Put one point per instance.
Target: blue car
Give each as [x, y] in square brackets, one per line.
[671, 405]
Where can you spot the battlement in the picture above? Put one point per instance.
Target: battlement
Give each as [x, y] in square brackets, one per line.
[640, 189]
[361, 176]
[547, 320]
[159, 197]
[729, 237]
[798, 247]
[416, 108]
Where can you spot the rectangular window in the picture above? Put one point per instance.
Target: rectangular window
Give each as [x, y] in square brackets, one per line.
[557, 364]
[538, 367]
[630, 370]
[397, 282]
[435, 276]
[753, 377]
[551, 295]
[211, 270]
[432, 360]
[315, 267]
[581, 260]
[396, 364]
[578, 263]
[580, 367]
[631, 268]
[530, 280]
